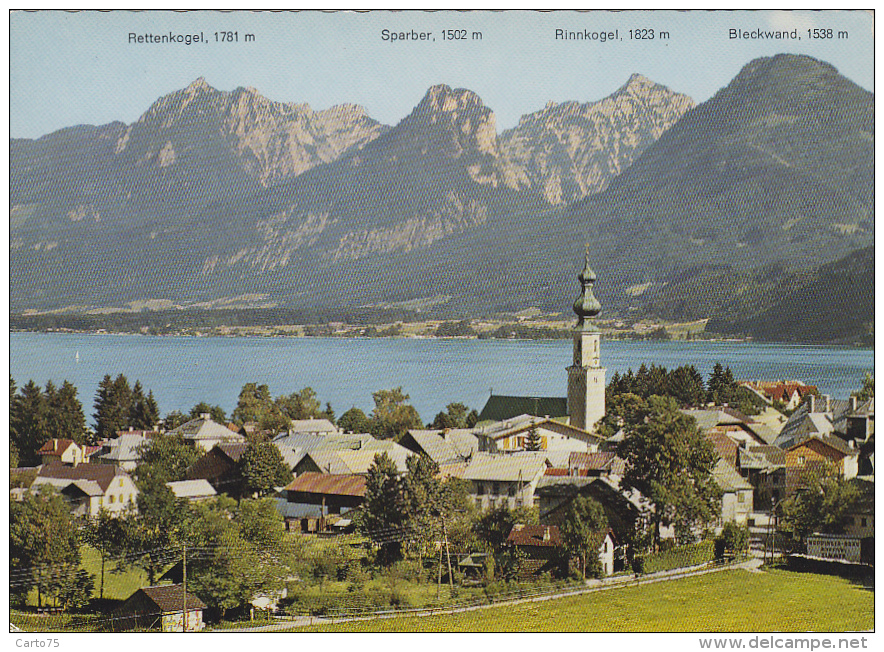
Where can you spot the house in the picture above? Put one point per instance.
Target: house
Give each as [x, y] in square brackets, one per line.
[205, 433]
[501, 408]
[764, 467]
[627, 510]
[861, 519]
[736, 498]
[220, 467]
[733, 423]
[65, 451]
[790, 393]
[857, 422]
[125, 450]
[167, 608]
[816, 454]
[313, 427]
[193, 490]
[509, 479]
[316, 500]
[815, 416]
[590, 465]
[444, 447]
[544, 550]
[513, 434]
[88, 488]
[348, 461]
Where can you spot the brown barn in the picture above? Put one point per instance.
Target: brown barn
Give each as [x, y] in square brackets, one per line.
[161, 607]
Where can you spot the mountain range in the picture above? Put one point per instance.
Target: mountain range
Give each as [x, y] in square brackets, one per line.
[229, 198]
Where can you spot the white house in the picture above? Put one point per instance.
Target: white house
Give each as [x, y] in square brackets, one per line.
[90, 487]
[205, 433]
[509, 479]
[513, 434]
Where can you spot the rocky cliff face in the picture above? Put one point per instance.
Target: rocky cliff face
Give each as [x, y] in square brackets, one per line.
[267, 140]
[214, 194]
[571, 150]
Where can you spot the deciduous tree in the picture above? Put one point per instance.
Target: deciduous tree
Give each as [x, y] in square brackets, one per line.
[354, 420]
[583, 530]
[670, 462]
[263, 469]
[393, 416]
[44, 544]
[165, 458]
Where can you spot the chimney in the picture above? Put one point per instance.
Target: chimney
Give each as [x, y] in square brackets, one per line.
[812, 403]
[131, 428]
[828, 402]
[55, 444]
[546, 533]
[205, 416]
[853, 403]
[852, 443]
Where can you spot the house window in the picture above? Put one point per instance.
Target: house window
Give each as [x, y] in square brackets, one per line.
[111, 499]
[480, 488]
[121, 482]
[511, 491]
[801, 460]
[496, 488]
[741, 497]
[864, 522]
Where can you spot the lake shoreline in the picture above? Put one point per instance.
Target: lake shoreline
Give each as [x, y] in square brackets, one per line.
[302, 336]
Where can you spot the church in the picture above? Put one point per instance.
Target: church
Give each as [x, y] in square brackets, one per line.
[566, 424]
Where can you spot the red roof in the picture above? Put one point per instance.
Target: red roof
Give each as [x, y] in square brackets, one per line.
[724, 445]
[547, 536]
[779, 391]
[591, 461]
[56, 447]
[330, 484]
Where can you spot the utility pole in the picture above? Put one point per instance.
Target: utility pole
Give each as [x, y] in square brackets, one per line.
[448, 552]
[439, 582]
[184, 584]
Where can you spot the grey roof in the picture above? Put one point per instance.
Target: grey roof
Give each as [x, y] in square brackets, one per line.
[446, 447]
[192, 489]
[762, 458]
[802, 424]
[125, 448]
[728, 479]
[343, 462]
[312, 425]
[198, 429]
[331, 441]
[522, 466]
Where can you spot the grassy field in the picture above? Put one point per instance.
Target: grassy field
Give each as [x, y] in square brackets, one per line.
[727, 601]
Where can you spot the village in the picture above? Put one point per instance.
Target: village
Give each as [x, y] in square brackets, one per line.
[285, 510]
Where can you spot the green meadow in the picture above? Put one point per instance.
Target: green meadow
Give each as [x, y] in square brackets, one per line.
[727, 601]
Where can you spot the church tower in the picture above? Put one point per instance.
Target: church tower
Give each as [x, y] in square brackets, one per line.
[586, 376]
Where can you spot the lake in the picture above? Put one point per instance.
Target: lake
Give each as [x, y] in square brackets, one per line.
[182, 371]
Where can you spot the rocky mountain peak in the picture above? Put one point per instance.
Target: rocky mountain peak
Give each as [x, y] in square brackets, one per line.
[573, 149]
[199, 84]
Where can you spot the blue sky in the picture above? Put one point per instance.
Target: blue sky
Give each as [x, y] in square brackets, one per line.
[68, 69]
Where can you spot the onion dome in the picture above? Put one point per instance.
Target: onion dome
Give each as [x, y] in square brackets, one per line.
[586, 305]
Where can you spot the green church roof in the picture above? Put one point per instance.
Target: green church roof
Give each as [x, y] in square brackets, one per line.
[500, 408]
